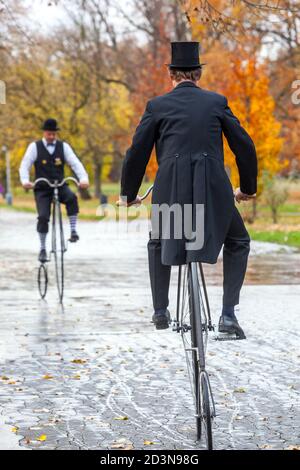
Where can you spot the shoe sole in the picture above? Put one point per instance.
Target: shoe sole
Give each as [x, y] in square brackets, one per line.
[162, 326]
[232, 331]
[227, 329]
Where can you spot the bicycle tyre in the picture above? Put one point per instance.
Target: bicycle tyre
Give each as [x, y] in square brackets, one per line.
[195, 364]
[42, 280]
[58, 248]
[206, 410]
[203, 392]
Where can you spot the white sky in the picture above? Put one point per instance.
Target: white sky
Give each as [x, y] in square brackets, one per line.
[46, 14]
[40, 11]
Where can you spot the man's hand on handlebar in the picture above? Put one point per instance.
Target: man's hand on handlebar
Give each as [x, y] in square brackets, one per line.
[239, 196]
[83, 184]
[28, 185]
[136, 202]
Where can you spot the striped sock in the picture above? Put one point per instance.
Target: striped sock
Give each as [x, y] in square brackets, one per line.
[43, 240]
[73, 222]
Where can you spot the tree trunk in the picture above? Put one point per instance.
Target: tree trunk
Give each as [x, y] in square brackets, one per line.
[97, 179]
[274, 215]
[254, 210]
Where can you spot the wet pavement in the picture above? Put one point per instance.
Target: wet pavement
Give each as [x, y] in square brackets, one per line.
[96, 375]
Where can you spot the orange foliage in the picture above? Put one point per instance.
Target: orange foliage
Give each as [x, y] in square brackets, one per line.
[235, 71]
[246, 85]
[153, 80]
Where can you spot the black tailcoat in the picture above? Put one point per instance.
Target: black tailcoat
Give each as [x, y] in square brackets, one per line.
[186, 126]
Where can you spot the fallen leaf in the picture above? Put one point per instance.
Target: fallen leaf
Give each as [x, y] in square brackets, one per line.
[121, 418]
[239, 390]
[14, 429]
[42, 438]
[47, 377]
[149, 443]
[79, 361]
[122, 446]
[238, 417]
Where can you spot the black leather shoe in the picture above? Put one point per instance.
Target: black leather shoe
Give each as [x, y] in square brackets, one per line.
[161, 320]
[231, 326]
[74, 237]
[43, 256]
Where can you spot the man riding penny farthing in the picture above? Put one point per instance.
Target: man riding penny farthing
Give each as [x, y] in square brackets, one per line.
[193, 212]
[186, 126]
[49, 157]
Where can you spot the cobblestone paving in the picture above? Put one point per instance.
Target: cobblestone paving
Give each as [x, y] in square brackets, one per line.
[96, 375]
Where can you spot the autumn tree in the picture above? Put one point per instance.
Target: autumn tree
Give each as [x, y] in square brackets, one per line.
[160, 22]
[266, 30]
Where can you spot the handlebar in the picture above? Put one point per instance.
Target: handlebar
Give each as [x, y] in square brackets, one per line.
[147, 193]
[122, 202]
[56, 184]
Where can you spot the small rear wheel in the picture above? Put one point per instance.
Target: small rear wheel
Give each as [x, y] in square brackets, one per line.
[42, 280]
[205, 409]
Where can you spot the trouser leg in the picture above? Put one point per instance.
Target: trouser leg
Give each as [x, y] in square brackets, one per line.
[67, 197]
[159, 275]
[235, 256]
[43, 199]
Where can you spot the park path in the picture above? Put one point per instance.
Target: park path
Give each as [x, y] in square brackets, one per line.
[96, 375]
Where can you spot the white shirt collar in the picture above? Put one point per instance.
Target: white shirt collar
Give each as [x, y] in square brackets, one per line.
[45, 142]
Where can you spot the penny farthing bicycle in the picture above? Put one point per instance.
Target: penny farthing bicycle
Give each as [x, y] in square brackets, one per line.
[58, 242]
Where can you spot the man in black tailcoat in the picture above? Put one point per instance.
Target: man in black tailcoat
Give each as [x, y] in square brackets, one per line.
[186, 126]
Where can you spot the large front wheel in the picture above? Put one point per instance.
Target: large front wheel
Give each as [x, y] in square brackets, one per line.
[58, 248]
[194, 332]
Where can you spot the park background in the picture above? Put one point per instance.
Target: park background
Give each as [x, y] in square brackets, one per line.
[93, 64]
[94, 373]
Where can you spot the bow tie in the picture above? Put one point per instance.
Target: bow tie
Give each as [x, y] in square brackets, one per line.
[50, 144]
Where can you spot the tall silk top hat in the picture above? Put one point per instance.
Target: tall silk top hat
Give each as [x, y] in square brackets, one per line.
[185, 55]
[50, 125]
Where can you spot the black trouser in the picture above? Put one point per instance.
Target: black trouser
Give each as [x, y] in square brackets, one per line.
[43, 199]
[235, 256]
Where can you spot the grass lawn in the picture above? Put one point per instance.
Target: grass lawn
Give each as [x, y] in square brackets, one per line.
[291, 238]
[286, 231]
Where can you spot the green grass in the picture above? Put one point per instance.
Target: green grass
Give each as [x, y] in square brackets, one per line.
[261, 230]
[283, 209]
[276, 236]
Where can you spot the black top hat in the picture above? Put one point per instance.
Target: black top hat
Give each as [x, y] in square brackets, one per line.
[185, 55]
[50, 125]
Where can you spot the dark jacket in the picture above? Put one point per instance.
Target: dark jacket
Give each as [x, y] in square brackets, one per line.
[186, 127]
[49, 166]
